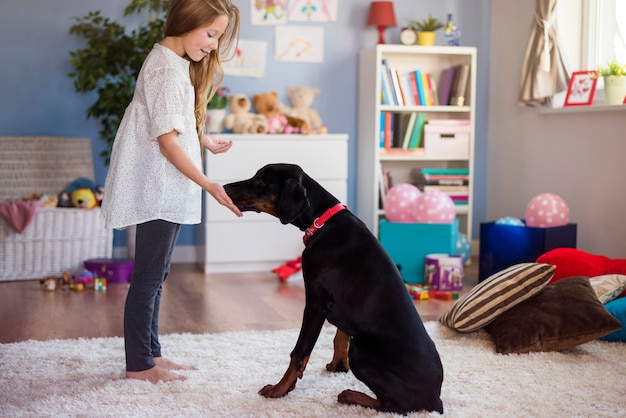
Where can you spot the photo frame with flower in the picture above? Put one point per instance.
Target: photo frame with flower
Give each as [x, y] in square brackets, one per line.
[582, 88]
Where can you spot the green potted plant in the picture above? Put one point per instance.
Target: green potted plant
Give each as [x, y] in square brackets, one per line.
[426, 29]
[108, 65]
[614, 74]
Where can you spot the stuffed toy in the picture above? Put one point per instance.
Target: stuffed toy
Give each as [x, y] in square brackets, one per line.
[301, 101]
[81, 193]
[241, 120]
[267, 105]
[84, 198]
[573, 262]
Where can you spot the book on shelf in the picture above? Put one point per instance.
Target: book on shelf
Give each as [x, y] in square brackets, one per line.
[424, 179]
[405, 89]
[427, 97]
[393, 74]
[418, 131]
[458, 190]
[459, 87]
[400, 123]
[432, 90]
[445, 170]
[387, 75]
[387, 129]
[446, 78]
[386, 97]
[409, 131]
[420, 87]
[413, 87]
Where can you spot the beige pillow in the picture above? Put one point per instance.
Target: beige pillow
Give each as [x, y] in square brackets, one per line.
[608, 286]
[496, 294]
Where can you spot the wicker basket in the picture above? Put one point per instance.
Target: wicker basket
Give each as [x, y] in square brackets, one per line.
[58, 239]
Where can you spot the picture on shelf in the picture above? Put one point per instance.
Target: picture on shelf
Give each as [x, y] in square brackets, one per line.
[581, 88]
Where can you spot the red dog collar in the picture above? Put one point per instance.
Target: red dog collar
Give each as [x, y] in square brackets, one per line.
[319, 222]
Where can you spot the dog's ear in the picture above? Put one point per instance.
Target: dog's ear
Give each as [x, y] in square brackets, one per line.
[293, 201]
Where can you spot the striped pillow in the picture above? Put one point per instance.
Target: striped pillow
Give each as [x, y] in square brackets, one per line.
[496, 294]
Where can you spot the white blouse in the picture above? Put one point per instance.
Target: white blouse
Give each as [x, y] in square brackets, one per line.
[142, 185]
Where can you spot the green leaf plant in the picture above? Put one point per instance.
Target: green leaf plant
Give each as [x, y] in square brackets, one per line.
[430, 24]
[111, 60]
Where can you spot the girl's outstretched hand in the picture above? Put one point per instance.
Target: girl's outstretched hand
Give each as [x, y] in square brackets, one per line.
[216, 145]
[217, 191]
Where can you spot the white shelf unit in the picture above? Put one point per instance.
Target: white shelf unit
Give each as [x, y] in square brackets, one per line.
[431, 59]
[258, 241]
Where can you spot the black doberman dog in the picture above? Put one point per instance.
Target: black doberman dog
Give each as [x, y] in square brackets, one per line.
[351, 282]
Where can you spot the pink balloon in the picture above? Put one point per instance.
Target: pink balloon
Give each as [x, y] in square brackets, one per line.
[546, 210]
[399, 202]
[434, 207]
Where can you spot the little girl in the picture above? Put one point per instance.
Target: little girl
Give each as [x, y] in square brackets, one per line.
[155, 179]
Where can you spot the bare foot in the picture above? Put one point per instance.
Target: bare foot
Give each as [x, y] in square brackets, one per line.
[170, 365]
[155, 375]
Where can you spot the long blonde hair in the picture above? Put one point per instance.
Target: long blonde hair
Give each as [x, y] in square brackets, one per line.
[206, 75]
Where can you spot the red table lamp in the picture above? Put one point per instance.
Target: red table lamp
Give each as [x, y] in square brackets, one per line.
[382, 15]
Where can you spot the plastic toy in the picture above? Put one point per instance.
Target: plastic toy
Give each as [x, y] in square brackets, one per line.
[284, 271]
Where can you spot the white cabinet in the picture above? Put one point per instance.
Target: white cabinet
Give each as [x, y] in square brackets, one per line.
[258, 241]
[431, 59]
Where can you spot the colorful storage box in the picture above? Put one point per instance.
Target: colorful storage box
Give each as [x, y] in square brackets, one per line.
[114, 270]
[408, 244]
[444, 272]
[502, 246]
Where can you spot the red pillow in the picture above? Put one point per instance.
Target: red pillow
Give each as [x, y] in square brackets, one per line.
[573, 262]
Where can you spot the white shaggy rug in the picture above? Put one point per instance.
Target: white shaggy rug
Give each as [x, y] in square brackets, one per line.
[85, 378]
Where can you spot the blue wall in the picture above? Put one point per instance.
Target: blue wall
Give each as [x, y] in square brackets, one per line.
[38, 98]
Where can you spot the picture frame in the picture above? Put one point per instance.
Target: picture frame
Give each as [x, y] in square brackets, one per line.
[582, 88]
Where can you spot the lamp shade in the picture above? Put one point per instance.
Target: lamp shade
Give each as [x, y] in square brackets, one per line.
[381, 14]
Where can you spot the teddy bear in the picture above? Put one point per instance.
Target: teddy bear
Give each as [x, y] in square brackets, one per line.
[241, 120]
[301, 101]
[267, 105]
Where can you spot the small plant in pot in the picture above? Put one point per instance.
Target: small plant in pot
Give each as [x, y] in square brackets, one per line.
[614, 74]
[426, 29]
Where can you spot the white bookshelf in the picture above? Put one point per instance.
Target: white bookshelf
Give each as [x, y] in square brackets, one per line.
[431, 59]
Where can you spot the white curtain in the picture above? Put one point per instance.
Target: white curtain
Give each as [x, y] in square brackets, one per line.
[544, 72]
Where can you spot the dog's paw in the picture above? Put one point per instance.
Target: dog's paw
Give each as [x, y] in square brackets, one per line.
[272, 391]
[352, 397]
[341, 366]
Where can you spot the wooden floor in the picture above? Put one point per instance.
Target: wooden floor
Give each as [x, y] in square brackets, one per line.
[192, 302]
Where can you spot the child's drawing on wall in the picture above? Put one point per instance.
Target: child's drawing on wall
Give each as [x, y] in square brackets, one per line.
[313, 10]
[268, 12]
[299, 43]
[248, 61]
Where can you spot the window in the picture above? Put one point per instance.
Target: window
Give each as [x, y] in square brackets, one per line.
[591, 32]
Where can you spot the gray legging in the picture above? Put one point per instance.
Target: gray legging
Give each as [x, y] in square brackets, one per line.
[154, 245]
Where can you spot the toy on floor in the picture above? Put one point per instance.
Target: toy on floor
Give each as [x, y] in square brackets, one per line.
[284, 271]
[571, 262]
[64, 282]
